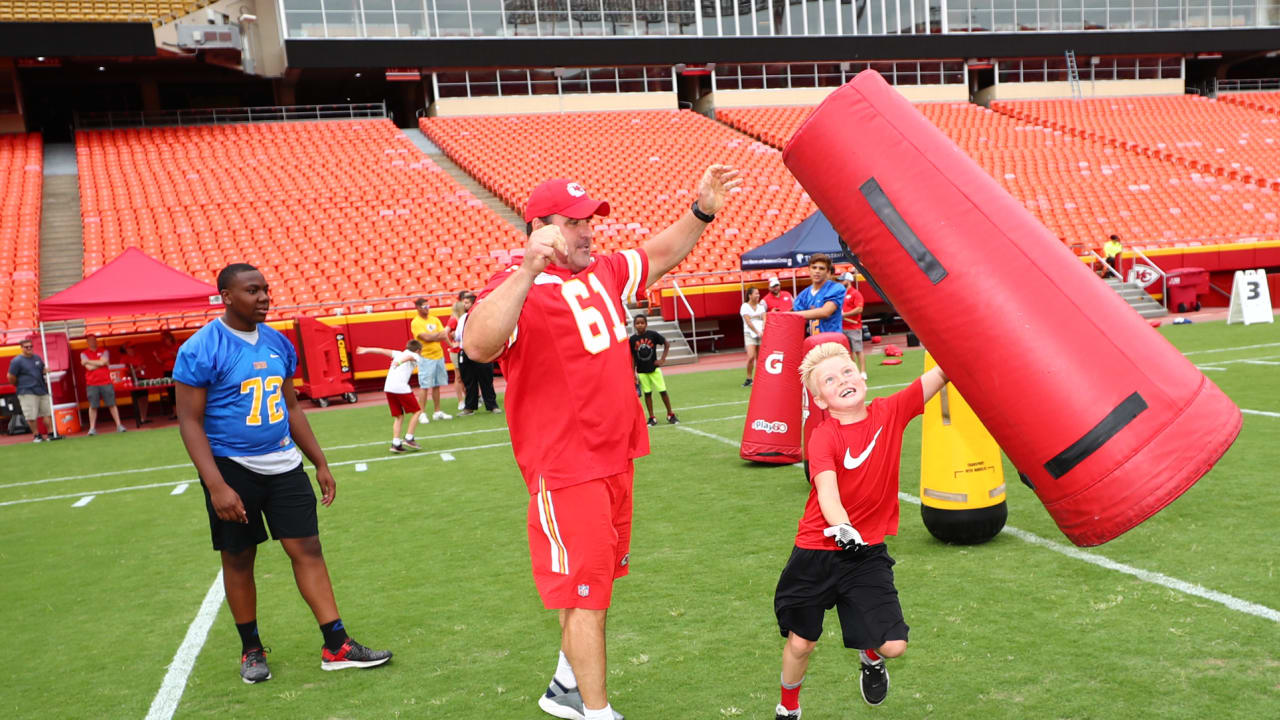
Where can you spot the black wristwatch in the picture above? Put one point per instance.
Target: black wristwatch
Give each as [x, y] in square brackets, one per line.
[701, 215]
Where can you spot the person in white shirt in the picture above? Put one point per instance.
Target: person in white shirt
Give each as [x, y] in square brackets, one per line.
[400, 396]
[752, 312]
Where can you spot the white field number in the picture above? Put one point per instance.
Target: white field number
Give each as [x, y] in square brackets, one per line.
[591, 323]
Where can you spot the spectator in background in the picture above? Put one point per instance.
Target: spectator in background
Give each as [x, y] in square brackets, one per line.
[26, 372]
[648, 366]
[167, 355]
[477, 377]
[1111, 249]
[852, 313]
[428, 330]
[820, 302]
[451, 327]
[136, 365]
[777, 299]
[97, 378]
[752, 312]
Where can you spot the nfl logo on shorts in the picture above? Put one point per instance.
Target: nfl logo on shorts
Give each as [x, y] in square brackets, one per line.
[584, 590]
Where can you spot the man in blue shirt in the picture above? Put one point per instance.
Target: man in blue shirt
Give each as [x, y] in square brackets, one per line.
[820, 302]
[241, 424]
[26, 373]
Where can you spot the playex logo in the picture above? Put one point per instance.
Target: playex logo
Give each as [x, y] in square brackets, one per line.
[575, 189]
[773, 363]
[769, 427]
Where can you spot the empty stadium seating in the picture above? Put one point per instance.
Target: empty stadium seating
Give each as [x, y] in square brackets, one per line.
[1223, 138]
[331, 211]
[1084, 188]
[646, 164]
[153, 11]
[1264, 101]
[21, 180]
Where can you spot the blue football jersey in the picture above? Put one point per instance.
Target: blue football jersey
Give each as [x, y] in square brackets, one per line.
[245, 412]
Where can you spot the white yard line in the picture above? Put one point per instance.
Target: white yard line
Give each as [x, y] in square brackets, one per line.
[1259, 412]
[83, 501]
[1155, 578]
[179, 489]
[1230, 349]
[175, 680]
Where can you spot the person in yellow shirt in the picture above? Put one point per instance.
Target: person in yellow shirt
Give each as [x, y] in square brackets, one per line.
[1111, 249]
[428, 330]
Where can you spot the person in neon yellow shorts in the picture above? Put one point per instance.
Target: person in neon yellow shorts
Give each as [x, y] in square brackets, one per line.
[644, 356]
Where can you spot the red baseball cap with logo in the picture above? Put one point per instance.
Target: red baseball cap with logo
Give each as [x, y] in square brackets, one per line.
[562, 197]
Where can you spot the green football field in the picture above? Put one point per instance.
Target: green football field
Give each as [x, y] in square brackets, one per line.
[1179, 618]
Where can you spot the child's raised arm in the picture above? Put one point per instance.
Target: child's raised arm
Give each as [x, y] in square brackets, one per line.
[932, 381]
[379, 351]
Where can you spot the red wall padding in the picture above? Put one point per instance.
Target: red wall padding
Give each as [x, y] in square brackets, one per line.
[1108, 421]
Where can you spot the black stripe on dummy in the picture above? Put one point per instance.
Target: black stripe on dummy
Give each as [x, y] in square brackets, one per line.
[1113, 423]
[901, 231]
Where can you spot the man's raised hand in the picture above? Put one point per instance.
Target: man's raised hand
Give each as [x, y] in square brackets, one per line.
[544, 243]
[714, 187]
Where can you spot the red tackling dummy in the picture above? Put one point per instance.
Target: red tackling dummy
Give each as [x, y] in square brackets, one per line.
[1105, 419]
[772, 430]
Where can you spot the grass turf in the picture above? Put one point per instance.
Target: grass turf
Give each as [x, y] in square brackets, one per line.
[429, 558]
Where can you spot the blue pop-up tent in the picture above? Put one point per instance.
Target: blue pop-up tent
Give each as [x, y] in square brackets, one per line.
[792, 248]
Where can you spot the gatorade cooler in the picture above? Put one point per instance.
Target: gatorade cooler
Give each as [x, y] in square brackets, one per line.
[324, 362]
[1184, 284]
[66, 417]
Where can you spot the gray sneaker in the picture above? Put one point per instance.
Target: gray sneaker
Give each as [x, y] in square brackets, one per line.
[253, 666]
[566, 703]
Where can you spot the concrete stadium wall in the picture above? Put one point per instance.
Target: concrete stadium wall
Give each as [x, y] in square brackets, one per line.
[813, 96]
[1100, 88]
[521, 104]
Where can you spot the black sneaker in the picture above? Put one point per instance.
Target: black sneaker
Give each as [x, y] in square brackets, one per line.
[672, 419]
[253, 666]
[874, 682]
[653, 422]
[412, 444]
[352, 655]
[746, 383]
[397, 448]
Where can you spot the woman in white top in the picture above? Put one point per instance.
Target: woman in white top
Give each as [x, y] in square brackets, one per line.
[752, 312]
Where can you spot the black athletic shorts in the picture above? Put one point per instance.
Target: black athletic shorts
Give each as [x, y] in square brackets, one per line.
[286, 500]
[858, 584]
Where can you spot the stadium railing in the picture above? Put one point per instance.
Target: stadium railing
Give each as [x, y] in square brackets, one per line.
[226, 116]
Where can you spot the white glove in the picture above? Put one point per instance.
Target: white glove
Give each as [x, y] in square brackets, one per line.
[845, 535]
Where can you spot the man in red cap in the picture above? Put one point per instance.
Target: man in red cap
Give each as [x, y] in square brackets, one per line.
[557, 325]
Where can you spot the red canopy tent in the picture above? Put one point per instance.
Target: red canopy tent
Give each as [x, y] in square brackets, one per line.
[133, 283]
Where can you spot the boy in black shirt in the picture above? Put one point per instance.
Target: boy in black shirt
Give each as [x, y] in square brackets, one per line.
[648, 366]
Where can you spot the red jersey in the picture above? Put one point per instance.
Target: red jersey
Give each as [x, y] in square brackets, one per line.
[865, 457]
[98, 375]
[778, 303]
[571, 399]
[852, 299]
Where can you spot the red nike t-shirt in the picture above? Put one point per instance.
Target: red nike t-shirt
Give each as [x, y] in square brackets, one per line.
[852, 299]
[865, 457]
[571, 399]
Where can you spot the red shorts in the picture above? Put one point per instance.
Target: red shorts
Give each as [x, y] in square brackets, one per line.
[402, 403]
[580, 540]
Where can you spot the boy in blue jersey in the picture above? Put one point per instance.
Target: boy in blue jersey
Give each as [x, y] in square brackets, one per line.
[241, 424]
[820, 302]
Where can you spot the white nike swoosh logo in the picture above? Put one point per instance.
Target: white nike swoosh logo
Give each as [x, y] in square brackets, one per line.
[275, 356]
[851, 462]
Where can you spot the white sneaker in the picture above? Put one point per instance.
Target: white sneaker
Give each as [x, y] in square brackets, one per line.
[422, 418]
[781, 713]
[462, 404]
[441, 415]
